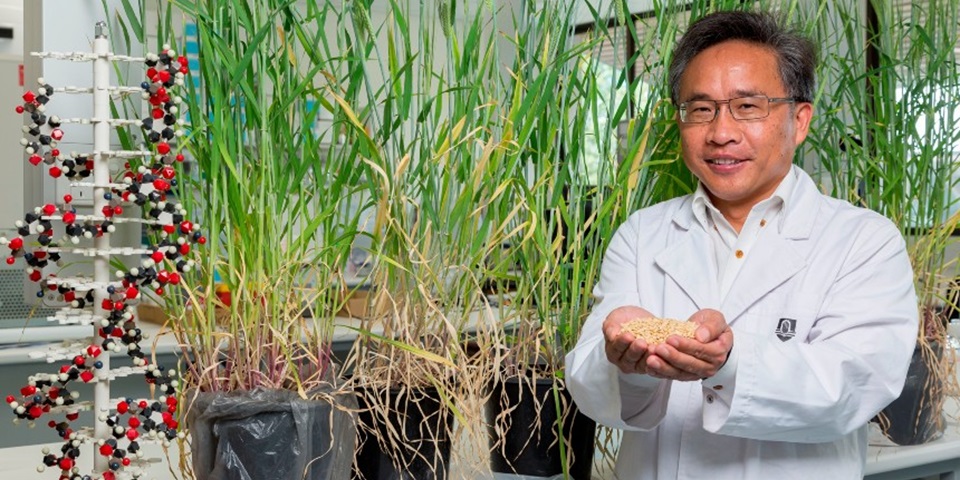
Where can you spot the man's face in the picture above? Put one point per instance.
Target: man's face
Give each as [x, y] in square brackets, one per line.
[740, 162]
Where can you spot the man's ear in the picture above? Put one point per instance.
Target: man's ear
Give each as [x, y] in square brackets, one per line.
[802, 115]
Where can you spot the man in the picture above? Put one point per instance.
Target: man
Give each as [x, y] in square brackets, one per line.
[806, 308]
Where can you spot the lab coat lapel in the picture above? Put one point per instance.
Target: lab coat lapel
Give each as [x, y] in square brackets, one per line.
[689, 261]
[780, 253]
[773, 261]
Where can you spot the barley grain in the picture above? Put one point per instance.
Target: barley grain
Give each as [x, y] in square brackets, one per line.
[656, 330]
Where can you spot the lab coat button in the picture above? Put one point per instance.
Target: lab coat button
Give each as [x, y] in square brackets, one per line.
[718, 387]
[739, 254]
[709, 398]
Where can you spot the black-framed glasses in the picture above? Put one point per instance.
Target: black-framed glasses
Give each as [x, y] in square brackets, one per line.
[744, 108]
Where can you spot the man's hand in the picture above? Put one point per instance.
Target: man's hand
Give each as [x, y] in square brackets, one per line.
[623, 349]
[679, 358]
[693, 359]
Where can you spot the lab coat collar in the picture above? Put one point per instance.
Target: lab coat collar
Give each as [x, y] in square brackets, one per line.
[802, 208]
[776, 257]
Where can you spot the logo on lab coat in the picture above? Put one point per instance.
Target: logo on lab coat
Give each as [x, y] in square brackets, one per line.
[786, 329]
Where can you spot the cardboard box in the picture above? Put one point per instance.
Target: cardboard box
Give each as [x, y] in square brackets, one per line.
[357, 304]
[150, 313]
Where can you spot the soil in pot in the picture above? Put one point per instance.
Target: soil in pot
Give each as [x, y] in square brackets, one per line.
[522, 419]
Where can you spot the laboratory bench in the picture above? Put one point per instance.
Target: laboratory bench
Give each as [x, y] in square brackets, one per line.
[939, 459]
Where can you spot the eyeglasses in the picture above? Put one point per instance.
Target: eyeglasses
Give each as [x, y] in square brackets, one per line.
[743, 108]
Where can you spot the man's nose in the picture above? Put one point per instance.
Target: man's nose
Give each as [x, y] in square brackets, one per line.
[724, 128]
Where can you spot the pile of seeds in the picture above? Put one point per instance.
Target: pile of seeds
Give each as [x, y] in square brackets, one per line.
[656, 330]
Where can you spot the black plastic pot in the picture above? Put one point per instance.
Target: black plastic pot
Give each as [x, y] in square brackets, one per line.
[271, 434]
[916, 416]
[423, 423]
[522, 420]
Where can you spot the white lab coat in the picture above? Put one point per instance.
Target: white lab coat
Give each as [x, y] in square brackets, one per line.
[790, 408]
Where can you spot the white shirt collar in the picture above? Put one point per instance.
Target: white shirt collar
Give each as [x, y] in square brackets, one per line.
[708, 215]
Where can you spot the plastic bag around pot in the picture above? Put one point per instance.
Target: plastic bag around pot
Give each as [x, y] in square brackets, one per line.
[275, 434]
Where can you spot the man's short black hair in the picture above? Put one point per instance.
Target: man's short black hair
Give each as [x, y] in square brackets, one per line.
[796, 54]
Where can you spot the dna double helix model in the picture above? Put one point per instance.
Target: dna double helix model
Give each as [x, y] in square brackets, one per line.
[107, 300]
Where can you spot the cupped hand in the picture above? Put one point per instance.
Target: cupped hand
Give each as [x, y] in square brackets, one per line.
[623, 349]
[696, 358]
